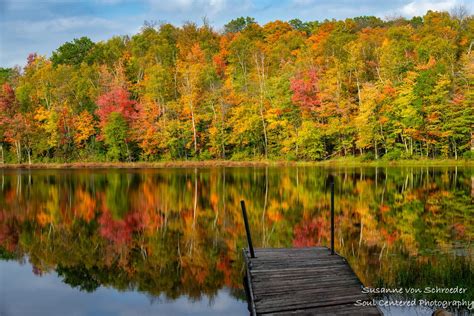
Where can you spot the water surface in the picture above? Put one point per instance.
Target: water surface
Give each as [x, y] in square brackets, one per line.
[168, 241]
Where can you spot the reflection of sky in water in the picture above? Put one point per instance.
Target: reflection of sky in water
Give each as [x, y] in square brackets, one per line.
[23, 293]
[406, 311]
[394, 310]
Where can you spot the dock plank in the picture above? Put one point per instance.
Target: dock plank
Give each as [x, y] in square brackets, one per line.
[307, 281]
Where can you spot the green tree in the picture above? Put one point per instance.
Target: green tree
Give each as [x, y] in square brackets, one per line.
[238, 25]
[116, 137]
[72, 53]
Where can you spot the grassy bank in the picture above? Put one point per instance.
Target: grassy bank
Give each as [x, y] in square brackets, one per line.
[339, 162]
[357, 161]
[137, 165]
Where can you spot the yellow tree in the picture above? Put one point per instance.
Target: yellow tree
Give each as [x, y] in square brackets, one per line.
[366, 121]
[148, 129]
[190, 70]
[84, 128]
[261, 78]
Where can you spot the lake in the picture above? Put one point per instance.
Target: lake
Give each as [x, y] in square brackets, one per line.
[169, 241]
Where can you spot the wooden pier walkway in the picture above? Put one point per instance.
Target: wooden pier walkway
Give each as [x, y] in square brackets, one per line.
[303, 281]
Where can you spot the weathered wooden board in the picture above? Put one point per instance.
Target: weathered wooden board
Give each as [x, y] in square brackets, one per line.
[307, 281]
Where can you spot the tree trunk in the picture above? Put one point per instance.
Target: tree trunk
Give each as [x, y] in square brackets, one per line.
[194, 127]
[189, 91]
[265, 204]
[261, 78]
[405, 143]
[162, 106]
[29, 155]
[2, 161]
[18, 151]
[455, 150]
[264, 132]
[128, 153]
[223, 129]
[175, 79]
[296, 149]
[376, 150]
[384, 140]
[358, 91]
[378, 74]
[244, 70]
[472, 140]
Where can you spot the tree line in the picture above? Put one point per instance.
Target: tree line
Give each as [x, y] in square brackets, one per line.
[379, 89]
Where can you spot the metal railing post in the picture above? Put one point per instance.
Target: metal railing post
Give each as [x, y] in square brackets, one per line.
[332, 217]
[247, 229]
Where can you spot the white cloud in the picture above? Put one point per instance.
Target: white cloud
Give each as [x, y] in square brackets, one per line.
[303, 2]
[43, 25]
[210, 6]
[44, 36]
[419, 7]
[218, 5]
[61, 24]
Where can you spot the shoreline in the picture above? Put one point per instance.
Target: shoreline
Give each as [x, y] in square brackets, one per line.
[250, 163]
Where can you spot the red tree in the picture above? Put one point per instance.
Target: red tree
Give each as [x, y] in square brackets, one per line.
[7, 101]
[305, 89]
[116, 100]
[310, 233]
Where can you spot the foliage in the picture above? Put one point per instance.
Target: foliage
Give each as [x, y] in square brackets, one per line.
[284, 90]
[238, 25]
[115, 137]
[5, 75]
[72, 53]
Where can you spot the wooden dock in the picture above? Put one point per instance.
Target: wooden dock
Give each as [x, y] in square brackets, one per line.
[303, 281]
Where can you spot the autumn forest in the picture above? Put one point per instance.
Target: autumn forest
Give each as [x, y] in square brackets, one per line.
[376, 89]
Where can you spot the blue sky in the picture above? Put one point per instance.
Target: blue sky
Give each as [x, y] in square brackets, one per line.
[43, 25]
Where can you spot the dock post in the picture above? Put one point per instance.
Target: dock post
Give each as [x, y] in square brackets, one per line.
[332, 216]
[247, 229]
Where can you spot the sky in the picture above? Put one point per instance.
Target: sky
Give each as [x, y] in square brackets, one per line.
[41, 26]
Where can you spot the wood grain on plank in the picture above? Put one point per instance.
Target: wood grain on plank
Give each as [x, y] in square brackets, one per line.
[304, 281]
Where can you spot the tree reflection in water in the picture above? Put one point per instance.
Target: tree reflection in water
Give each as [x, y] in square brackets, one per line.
[179, 232]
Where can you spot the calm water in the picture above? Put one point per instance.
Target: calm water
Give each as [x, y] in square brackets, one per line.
[129, 242]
